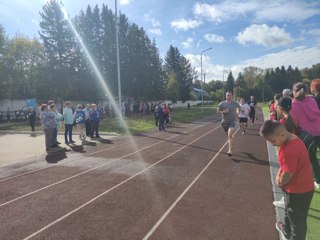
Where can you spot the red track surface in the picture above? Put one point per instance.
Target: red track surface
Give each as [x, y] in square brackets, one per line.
[178, 184]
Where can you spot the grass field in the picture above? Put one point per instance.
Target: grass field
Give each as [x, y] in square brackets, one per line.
[135, 123]
[314, 211]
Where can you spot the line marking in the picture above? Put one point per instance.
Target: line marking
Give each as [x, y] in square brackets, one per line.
[154, 228]
[91, 169]
[114, 187]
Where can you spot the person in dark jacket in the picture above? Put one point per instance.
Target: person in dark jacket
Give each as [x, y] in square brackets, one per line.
[160, 117]
[32, 118]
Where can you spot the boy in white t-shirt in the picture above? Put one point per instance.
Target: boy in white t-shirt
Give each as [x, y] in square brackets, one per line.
[243, 115]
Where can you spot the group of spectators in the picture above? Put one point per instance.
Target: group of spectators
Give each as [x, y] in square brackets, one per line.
[86, 119]
[163, 115]
[294, 115]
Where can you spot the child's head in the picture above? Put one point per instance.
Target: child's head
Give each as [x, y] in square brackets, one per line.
[68, 104]
[274, 132]
[285, 104]
[52, 107]
[315, 86]
[79, 106]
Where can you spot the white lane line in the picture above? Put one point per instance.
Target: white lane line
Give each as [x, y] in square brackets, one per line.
[91, 169]
[114, 187]
[154, 228]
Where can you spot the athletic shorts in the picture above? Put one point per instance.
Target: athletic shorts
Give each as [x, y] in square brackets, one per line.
[243, 120]
[226, 126]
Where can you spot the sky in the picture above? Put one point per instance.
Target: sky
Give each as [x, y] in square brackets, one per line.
[240, 33]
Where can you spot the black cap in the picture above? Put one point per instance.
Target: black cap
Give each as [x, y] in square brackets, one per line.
[285, 103]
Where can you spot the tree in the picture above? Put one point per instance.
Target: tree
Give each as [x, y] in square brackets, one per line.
[59, 45]
[178, 66]
[230, 82]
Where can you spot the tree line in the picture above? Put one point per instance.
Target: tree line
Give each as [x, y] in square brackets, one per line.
[57, 66]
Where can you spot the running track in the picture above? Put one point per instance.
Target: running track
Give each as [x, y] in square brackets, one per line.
[178, 184]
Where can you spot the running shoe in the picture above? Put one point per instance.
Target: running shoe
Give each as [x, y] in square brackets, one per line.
[280, 228]
[279, 203]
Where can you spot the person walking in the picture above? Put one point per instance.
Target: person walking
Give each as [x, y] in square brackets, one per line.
[228, 109]
[306, 115]
[68, 123]
[252, 103]
[294, 178]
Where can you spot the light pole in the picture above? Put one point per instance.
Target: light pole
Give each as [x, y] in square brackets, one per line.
[201, 76]
[118, 59]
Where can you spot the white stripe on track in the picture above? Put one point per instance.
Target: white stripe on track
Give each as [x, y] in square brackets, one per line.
[154, 228]
[91, 169]
[114, 187]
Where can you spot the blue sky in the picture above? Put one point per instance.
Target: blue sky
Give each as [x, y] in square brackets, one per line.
[265, 34]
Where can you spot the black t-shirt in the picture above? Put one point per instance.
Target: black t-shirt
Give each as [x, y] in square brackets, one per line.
[252, 105]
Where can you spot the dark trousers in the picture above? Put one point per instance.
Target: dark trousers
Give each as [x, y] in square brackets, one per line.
[32, 123]
[161, 121]
[88, 127]
[156, 120]
[54, 136]
[296, 212]
[314, 160]
[94, 128]
[47, 135]
[68, 132]
[252, 116]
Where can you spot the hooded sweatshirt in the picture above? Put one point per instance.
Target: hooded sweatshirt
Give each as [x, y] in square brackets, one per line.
[306, 115]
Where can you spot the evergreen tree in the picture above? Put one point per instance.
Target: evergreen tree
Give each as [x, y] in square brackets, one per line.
[230, 83]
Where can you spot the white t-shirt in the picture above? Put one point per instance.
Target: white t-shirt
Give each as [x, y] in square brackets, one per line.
[244, 110]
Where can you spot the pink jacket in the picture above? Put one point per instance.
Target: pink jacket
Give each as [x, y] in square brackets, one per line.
[306, 114]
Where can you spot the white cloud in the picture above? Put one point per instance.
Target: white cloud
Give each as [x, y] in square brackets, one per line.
[278, 11]
[187, 43]
[184, 24]
[264, 35]
[213, 38]
[314, 32]
[124, 2]
[155, 31]
[155, 23]
[300, 57]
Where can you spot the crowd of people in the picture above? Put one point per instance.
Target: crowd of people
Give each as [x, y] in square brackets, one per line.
[163, 115]
[294, 128]
[85, 118]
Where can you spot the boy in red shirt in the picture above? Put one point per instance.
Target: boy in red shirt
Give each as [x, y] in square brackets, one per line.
[295, 177]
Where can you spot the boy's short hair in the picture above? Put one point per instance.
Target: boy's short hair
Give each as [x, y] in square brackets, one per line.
[270, 127]
[52, 106]
[79, 106]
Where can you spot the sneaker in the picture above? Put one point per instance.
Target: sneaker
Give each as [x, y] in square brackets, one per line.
[66, 142]
[316, 185]
[279, 203]
[71, 141]
[229, 153]
[243, 132]
[279, 227]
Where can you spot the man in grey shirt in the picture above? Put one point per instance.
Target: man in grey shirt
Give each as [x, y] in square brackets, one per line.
[229, 110]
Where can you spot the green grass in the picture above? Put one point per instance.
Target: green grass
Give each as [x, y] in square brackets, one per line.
[313, 220]
[135, 123]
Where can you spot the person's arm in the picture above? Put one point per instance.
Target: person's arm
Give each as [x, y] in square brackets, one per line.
[284, 178]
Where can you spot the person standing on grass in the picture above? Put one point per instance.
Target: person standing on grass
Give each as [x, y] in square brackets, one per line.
[68, 122]
[306, 115]
[228, 110]
[294, 177]
[243, 115]
[252, 103]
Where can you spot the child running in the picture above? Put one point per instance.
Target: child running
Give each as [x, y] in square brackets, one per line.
[243, 115]
[294, 177]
